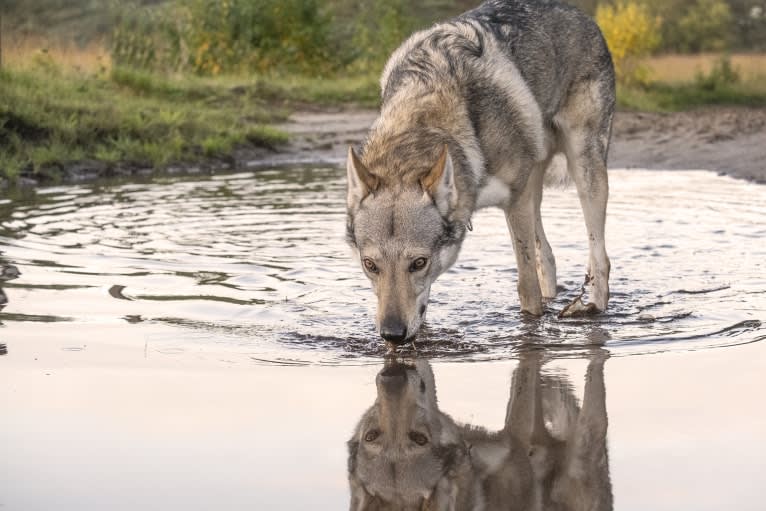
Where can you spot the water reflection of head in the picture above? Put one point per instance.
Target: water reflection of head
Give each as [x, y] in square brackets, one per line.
[407, 454]
[403, 446]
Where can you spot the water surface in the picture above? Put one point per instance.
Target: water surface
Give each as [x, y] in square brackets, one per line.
[258, 261]
[205, 343]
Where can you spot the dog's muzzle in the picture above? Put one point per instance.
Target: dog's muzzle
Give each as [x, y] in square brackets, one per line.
[393, 331]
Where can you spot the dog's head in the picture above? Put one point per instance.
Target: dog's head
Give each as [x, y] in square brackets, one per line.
[405, 236]
[404, 453]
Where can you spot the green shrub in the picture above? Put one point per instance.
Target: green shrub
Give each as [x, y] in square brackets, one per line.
[149, 38]
[705, 26]
[258, 35]
[213, 37]
[722, 75]
[381, 26]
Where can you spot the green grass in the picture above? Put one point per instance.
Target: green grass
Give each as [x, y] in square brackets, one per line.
[49, 118]
[360, 90]
[674, 97]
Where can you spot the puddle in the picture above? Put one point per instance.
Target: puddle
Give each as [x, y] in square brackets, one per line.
[197, 343]
[258, 261]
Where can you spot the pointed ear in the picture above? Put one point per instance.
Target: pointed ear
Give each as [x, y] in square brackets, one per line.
[360, 499]
[360, 180]
[440, 184]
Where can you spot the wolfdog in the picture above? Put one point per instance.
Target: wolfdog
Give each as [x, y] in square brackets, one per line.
[406, 454]
[473, 112]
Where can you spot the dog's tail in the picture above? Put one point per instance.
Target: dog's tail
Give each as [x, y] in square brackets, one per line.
[556, 175]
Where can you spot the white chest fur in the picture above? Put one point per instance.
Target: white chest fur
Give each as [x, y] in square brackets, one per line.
[493, 193]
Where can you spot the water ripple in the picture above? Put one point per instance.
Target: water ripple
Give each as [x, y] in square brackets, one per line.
[255, 263]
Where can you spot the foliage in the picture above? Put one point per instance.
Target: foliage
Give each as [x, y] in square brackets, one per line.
[631, 32]
[380, 28]
[210, 37]
[148, 39]
[688, 25]
[241, 35]
[721, 76]
[705, 26]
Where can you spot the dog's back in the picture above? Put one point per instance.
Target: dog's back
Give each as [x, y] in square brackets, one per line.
[552, 44]
[506, 73]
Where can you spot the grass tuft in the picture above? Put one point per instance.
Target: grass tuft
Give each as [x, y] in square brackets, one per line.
[51, 118]
[362, 90]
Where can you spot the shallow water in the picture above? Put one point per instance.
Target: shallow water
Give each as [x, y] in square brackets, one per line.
[259, 262]
[198, 342]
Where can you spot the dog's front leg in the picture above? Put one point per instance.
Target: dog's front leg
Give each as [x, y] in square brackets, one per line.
[592, 422]
[520, 216]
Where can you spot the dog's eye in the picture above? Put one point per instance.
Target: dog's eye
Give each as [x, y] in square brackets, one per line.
[418, 264]
[418, 438]
[371, 435]
[369, 265]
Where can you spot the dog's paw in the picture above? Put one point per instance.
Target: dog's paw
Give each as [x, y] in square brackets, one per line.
[578, 309]
[533, 308]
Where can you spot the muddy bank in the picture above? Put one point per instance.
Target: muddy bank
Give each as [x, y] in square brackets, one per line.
[729, 141]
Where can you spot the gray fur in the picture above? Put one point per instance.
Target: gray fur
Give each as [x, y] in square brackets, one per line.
[551, 454]
[505, 87]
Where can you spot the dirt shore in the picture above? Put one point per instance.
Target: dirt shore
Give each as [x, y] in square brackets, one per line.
[730, 141]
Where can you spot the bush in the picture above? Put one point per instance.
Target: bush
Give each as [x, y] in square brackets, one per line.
[705, 26]
[259, 35]
[380, 27]
[150, 38]
[722, 76]
[310, 37]
[631, 33]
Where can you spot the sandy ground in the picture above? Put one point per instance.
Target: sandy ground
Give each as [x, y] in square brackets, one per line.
[730, 141]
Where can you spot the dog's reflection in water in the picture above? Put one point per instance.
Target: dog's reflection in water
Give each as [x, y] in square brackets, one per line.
[406, 454]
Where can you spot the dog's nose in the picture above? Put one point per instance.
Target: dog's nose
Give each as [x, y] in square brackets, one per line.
[393, 332]
[394, 371]
[392, 379]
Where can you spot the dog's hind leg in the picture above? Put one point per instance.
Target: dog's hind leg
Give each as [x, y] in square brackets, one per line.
[520, 216]
[546, 263]
[585, 125]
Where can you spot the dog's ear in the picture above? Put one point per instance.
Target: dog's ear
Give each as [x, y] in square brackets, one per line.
[360, 180]
[439, 183]
[353, 449]
[360, 499]
[454, 462]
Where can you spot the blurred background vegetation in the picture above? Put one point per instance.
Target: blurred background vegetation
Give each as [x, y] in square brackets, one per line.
[166, 80]
[318, 36]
